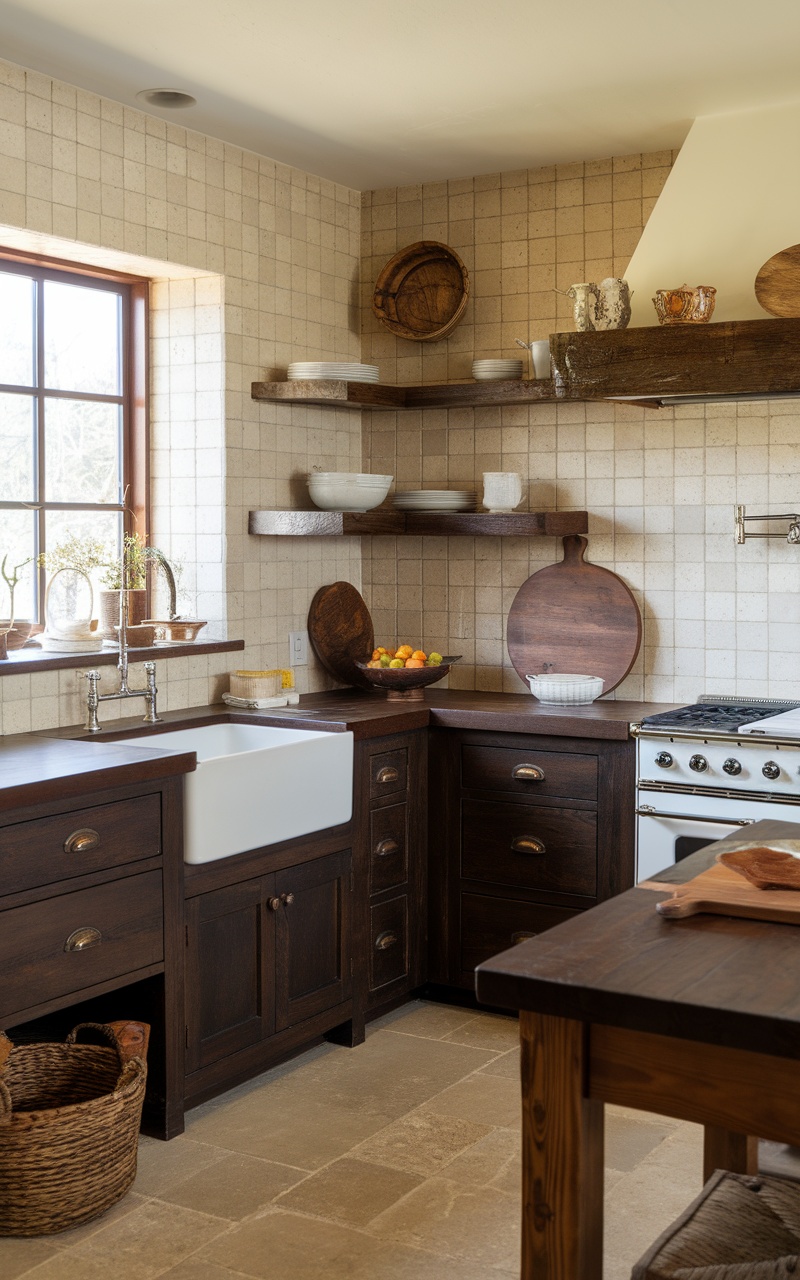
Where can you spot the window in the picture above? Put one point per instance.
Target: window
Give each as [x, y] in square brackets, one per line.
[72, 414]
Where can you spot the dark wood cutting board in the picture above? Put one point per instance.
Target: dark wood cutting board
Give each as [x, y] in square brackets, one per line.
[778, 283]
[341, 632]
[574, 617]
[722, 892]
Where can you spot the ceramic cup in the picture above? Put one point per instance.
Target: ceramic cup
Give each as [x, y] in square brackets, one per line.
[540, 358]
[502, 490]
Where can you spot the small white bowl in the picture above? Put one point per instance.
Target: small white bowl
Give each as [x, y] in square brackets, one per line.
[345, 491]
[561, 689]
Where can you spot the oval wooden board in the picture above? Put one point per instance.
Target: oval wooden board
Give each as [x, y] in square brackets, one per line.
[574, 617]
[341, 632]
[778, 283]
[422, 291]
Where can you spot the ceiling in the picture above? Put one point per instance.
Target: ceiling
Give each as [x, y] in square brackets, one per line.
[375, 93]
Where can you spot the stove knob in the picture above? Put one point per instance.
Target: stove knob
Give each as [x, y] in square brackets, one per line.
[698, 763]
[732, 766]
[664, 760]
[771, 770]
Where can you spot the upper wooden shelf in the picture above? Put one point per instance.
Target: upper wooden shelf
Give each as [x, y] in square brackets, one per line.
[443, 524]
[373, 395]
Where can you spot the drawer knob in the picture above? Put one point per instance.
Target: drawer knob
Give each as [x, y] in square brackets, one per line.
[521, 936]
[388, 774]
[527, 844]
[385, 848]
[386, 940]
[82, 841]
[82, 939]
[527, 773]
[287, 899]
[274, 904]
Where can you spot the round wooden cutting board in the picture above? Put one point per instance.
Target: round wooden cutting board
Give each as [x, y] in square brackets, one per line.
[778, 283]
[422, 292]
[574, 617]
[341, 632]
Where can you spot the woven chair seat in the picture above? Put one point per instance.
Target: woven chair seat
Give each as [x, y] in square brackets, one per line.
[738, 1228]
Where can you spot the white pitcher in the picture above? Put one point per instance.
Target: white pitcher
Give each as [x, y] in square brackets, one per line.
[585, 297]
[613, 309]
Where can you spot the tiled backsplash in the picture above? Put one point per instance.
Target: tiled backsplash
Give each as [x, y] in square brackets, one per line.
[659, 485]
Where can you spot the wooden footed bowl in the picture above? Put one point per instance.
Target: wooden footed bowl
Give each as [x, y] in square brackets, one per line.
[405, 683]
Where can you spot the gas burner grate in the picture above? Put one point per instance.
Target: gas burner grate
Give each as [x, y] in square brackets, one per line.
[724, 716]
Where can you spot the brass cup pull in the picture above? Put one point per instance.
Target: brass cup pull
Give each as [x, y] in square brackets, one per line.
[82, 841]
[388, 774]
[287, 899]
[527, 844]
[521, 936]
[82, 939]
[527, 773]
[386, 940]
[385, 848]
[273, 903]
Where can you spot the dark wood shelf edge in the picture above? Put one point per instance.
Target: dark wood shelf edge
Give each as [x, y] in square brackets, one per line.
[449, 524]
[370, 395]
[27, 661]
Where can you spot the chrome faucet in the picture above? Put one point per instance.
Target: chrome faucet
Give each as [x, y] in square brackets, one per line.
[163, 563]
[93, 698]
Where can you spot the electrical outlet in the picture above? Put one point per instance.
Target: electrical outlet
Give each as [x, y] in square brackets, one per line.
[298, 648]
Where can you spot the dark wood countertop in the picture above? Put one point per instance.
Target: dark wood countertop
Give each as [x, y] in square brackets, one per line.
[35, 769]
[713, 979]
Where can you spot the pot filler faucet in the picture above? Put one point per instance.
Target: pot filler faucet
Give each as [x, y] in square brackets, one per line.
[93, 698]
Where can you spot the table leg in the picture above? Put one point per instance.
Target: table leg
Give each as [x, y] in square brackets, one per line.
[562, 1154]
[723, 1149]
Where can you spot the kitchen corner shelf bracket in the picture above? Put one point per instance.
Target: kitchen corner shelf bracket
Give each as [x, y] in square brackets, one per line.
[741, 520]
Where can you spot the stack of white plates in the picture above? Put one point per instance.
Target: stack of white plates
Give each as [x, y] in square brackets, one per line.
[436, 500]
[492, 370]
[317, 370]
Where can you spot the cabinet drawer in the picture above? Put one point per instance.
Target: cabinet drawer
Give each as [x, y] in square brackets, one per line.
[388, 851]
[490, 925]
[388, 942]
[388, 772]
[71, 844]
[126, 913]
[530, 772]
[530, 846]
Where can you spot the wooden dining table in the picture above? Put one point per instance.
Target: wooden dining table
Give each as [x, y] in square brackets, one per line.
[697, 1019]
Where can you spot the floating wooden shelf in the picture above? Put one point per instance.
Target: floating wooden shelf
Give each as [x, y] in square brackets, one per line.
[436, 524]
[373, 395]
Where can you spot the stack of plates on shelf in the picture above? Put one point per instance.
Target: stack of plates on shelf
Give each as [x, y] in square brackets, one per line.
[436, 500]
[491, 370]
[317, 370]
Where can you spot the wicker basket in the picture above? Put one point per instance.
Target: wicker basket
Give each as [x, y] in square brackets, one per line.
[69, 1127]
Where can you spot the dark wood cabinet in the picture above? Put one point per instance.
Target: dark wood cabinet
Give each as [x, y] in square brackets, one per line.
[524, 832]
[312, 938]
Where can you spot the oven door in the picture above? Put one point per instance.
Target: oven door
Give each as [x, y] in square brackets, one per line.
[670, 826]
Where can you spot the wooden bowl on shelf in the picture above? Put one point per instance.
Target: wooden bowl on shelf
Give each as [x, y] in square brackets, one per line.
[405, 683]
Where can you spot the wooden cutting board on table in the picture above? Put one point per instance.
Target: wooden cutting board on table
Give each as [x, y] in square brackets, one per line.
[341, 632]
[777, 284]
[723, 892]
[574, 617]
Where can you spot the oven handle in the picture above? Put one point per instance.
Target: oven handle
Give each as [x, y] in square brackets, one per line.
[647, 811]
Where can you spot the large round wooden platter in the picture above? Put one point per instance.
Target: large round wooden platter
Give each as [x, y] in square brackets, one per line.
[422, 292]
[341, 632]
[778, 283]
[574, 617]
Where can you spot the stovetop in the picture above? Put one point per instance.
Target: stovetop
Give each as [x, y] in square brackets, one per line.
[723, 716]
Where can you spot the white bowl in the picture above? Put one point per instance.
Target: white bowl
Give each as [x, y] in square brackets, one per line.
[344, 491]
[561, 689]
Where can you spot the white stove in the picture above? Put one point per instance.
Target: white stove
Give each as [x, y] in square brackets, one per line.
[710, 769]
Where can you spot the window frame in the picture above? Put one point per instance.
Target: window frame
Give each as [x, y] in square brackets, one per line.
[135, 457]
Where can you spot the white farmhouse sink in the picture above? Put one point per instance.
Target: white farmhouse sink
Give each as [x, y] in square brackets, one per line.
[256, 785]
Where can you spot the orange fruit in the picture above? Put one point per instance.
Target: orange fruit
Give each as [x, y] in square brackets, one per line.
[423, 657]
[414, 662]
[404, 651]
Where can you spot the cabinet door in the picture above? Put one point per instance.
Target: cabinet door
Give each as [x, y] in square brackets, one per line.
[229, 961]
[312, 938]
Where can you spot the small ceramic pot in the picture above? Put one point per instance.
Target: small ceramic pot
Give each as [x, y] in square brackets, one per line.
[685, 305]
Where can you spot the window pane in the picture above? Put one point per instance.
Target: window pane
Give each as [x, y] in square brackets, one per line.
[17, 539]
[82, 462]
[17, 437]
[87, 528]
[17, 329]
[81, 339]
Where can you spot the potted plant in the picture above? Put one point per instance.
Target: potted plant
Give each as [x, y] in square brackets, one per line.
[128, 571]
[11, 636]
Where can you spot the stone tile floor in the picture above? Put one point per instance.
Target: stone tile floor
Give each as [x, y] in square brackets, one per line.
[398, 1160]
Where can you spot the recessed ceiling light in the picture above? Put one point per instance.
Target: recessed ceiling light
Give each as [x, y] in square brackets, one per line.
[171, 98]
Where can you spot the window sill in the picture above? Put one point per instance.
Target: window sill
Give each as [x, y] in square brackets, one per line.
[28, 661]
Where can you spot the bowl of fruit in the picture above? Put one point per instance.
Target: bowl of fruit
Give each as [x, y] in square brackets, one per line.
[404, 672]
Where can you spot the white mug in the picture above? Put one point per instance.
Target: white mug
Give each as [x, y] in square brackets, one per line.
[502, 490]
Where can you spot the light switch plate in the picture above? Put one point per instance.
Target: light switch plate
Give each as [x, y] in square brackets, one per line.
[298, 648]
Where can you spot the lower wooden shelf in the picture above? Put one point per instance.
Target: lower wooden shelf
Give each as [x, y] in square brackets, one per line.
[443, 524]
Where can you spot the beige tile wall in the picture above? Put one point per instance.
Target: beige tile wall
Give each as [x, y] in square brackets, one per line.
[253, 263]
[659, 486]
